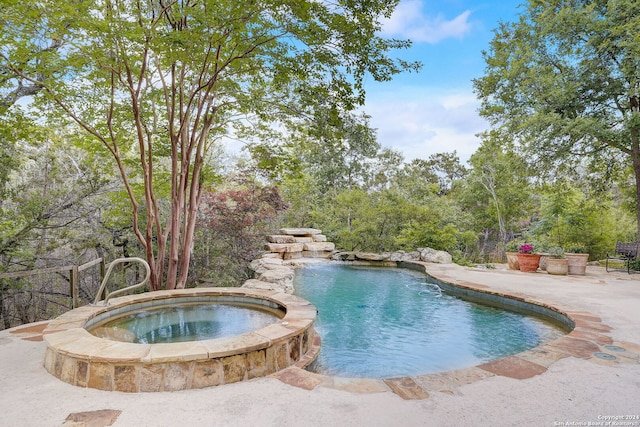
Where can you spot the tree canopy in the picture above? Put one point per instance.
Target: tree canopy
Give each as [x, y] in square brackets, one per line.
[126, 101]
[564, 82]
[156, 82]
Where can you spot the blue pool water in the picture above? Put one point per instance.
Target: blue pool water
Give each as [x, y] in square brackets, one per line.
[190, 322]
[383, 323]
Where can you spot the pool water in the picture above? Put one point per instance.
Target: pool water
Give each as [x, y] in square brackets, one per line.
[389, 322]
[190, 322]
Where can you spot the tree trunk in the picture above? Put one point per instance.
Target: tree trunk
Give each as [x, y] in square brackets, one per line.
[488, 182]
[635, 158]
[4, 312]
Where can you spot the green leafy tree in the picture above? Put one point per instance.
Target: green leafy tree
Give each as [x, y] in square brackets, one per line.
[497, 191]
[384, 169]
[14, 86]
[304, 197]
[439, 224]
[417, 181]
[387, 220]
[357, 220]
[447, 167]
[50, 187]
[155, 82]
[49, 217]
[337, 151]
[437, 174]
[12, 129]
[571, 220]
[564, 80]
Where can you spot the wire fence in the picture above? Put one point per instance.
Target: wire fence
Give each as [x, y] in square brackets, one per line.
[34, 295]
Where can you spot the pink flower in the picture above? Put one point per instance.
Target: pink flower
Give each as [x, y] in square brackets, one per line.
[526, 249]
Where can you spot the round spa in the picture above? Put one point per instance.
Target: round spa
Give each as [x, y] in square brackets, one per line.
[84, 349]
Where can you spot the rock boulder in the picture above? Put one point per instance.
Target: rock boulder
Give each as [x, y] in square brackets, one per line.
[404, 256]
[434, 256]
[281, 238]
[300, 231]
[259, 284]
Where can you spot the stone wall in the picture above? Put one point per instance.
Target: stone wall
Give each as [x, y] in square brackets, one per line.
[391, 258]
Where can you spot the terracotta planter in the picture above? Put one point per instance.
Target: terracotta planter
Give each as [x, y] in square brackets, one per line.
[577, 263]
[528, 262]
[512, 260]
[557, 266]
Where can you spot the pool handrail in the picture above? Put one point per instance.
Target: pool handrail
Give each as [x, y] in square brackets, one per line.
[123, 290]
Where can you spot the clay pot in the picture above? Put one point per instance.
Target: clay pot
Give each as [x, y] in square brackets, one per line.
[512, 260]
[528, 262]
[577, 263]
[557, 266]
[543, 261]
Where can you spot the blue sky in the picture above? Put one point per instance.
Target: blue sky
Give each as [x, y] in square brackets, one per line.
[435, 110]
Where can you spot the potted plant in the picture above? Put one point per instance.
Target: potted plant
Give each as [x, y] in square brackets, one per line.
[512, 255]
[557, 263]
[527, 259]
[543, 249]
[577, 260]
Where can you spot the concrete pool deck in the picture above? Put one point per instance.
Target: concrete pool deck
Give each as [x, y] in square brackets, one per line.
[561, 383]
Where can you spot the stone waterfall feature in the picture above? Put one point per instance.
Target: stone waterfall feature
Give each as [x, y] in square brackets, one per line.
[292, 243]
[275, 269]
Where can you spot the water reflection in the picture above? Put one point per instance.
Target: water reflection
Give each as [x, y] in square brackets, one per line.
[186, 323]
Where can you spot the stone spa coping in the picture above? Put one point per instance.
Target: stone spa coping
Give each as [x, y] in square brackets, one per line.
[77, 357]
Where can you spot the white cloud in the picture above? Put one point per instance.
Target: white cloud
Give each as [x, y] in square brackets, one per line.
[409, 21]
[419, 122]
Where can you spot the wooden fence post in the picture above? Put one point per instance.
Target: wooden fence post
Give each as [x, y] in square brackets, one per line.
[74, 286]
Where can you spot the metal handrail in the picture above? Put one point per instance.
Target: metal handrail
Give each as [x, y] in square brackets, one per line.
[123, 290]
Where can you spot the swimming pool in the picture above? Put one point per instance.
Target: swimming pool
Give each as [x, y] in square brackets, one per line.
[390, 322]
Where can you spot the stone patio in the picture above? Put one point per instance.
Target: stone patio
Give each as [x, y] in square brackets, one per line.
[586, 376]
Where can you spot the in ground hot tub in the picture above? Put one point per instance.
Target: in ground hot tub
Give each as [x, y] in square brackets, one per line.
[181, 319]
[78, 357]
